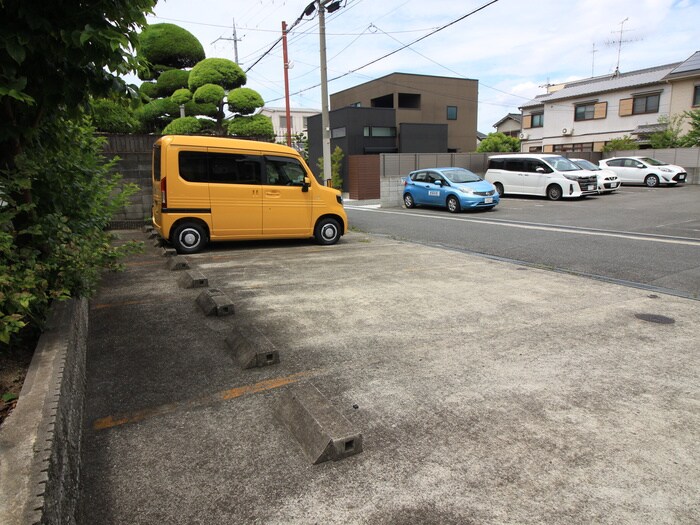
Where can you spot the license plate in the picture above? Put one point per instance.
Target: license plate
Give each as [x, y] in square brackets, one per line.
[591, 187]
[681, 178]
[488, 200]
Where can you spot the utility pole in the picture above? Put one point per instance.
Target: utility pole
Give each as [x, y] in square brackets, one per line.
[325, 119]
[235, 41]
[593, 60]
[286, 84]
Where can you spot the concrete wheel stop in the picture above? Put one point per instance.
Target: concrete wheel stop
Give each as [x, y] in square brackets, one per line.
[251, 348]
[193, 279]
[178, 262]
[323, 433]
[215, 302]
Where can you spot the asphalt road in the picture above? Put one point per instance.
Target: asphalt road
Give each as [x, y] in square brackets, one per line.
[643, 237]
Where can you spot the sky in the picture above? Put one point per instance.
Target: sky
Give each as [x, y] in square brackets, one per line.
[514, 48]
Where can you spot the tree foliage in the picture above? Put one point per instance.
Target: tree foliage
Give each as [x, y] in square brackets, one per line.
[57, 189]
[693, 137]
[113, 116]
[670, 137]
[336, 168]
[623, 143]
[221, 71]
[183, 126]
[62, 251]
[168, 46]
[498, 142]
[254, 126]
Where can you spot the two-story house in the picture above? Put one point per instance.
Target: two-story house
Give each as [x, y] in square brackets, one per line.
[584, 115]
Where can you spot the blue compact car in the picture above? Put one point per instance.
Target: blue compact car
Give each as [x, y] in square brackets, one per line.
[453, 188]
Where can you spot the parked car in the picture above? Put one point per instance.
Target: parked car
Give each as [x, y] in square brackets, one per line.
[454, 188]
[548, 175]
[644, 170]
[608, 181]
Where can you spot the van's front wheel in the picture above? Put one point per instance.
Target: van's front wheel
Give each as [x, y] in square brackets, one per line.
[327, 231]
[189, 237]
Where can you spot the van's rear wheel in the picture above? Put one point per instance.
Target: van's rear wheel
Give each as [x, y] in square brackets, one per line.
[499, 188]
[189, 237]
[327, 231]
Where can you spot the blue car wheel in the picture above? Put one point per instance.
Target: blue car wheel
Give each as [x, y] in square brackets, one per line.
[408, 200]
[453, 204]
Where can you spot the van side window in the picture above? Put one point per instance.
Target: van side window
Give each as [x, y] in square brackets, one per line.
[283, 171]
[515, 165]
[496, 164]
[230, 168]
[193, 166]
[532, 165]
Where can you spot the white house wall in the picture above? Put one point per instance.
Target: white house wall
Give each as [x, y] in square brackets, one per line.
[559, 115]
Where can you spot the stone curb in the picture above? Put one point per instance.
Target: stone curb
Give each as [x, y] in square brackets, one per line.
[251, 348]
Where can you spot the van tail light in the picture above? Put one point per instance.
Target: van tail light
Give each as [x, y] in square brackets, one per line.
[163, 192]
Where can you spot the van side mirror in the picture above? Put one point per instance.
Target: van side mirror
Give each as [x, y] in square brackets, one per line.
[539, 169]
[306, 184]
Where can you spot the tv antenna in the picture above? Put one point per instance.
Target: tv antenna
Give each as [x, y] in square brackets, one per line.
[593, 52]
[234, 38]
[619, 43]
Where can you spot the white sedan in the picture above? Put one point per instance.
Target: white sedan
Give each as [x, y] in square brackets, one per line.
[644, 170]
[608, 181]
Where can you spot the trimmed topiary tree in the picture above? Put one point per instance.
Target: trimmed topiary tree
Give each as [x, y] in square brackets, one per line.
[170, 81]
[244, 101]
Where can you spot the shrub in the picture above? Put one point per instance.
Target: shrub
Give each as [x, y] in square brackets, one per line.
[112, 116]
[624, 143]
[62, 252]
[149, 89]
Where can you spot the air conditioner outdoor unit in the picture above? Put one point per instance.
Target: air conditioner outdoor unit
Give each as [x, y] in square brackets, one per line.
[523, 136]
[567, 131]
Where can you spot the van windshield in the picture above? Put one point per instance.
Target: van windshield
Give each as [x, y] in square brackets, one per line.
[460, 175]
[563, 164]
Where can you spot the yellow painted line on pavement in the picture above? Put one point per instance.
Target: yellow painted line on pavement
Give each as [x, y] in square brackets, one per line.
[104, 423]
[101, 306]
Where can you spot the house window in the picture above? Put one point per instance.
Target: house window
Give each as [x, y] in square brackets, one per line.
[379, 131]
[283, 121]
[696, 96]
[305, 121]
[537, 120]
[409, 100]
[646, 104]
[337, 133]
[451, 112]
[585, 112]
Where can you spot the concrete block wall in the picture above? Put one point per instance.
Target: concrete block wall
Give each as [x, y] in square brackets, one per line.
[40, 441]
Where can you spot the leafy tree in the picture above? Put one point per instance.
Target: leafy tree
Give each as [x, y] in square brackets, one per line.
[623, 143]
[693, 137]
[57, 190]
[336, 168]
[498, 142]
[75, 194]
[669, 137]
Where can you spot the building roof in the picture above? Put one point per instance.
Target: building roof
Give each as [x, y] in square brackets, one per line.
[689, 68]
[591, 86]
[480, 135]
[513, 116]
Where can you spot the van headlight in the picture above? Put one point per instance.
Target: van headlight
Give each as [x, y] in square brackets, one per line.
[571, 177]
[339, 198]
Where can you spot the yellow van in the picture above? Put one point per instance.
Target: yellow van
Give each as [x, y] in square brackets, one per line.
[220, 189]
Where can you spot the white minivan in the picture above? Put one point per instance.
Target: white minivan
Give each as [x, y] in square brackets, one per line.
[548, 175]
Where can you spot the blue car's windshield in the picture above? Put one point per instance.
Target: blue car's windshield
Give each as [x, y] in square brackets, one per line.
[460, 175]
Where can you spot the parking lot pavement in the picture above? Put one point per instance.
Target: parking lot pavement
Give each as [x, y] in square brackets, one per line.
[485, 392]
